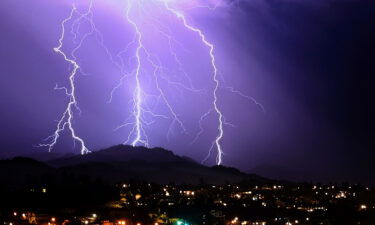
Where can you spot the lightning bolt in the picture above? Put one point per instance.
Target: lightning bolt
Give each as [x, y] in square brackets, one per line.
[211, 47]
[141, 113]
[137, 109]
[138, 132]
[66, 120]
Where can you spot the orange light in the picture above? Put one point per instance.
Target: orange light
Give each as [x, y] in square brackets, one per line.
[53, 219]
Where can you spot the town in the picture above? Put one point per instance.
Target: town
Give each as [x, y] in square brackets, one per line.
[142, 203]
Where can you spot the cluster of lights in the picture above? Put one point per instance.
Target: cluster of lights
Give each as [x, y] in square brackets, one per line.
[238, 196]
[237, 221]
[189, 193]
[235, 194]
[341, 194]
[312, 209]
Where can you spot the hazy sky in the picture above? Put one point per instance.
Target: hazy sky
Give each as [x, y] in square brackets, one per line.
[309, 63]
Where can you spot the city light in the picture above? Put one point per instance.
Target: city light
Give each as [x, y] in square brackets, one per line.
[235, 220]
[222, 197]
[179, 222]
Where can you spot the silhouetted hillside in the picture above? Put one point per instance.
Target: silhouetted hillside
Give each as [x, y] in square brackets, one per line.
[122, 153]
[21, 171]
[121, 163]
[42, 156]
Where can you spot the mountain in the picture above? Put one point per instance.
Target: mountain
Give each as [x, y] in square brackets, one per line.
[122, 163]
[122, 153]
[21, 171]
[43, 156]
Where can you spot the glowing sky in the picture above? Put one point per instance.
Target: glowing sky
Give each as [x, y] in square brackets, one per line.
[296, 59]
[154, 72]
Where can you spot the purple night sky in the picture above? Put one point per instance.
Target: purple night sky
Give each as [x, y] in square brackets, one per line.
[306, 62]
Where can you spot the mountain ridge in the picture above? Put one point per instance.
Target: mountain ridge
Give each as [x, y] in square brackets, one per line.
[122, 153]
[122, 162]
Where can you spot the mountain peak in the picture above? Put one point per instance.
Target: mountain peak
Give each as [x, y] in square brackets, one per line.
[123, 153]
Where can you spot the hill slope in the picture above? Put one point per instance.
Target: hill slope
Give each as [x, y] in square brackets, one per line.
[121, 163]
